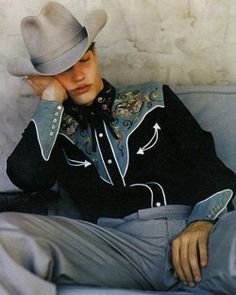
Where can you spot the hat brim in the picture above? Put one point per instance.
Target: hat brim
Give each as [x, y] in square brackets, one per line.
[23, 66]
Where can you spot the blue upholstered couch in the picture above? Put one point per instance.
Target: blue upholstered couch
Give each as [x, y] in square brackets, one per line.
[214, 107]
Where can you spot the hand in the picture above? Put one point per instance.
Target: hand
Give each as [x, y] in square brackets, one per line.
[48, 88]
[190, 252]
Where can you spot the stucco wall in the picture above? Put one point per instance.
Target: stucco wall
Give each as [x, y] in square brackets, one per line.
[171, 41]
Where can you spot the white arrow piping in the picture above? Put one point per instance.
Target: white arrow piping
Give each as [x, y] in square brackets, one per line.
[127, 140]
[149, 145]
[71, 162]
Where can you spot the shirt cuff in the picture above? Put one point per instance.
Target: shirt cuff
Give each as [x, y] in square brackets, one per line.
[47, 120]
[212, 207]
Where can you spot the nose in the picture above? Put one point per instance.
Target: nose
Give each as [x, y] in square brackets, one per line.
[77, 72]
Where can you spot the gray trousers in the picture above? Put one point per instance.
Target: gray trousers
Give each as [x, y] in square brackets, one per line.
[37, 253]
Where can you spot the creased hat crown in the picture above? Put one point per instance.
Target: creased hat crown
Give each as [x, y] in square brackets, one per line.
[55, 40]
[51, 31]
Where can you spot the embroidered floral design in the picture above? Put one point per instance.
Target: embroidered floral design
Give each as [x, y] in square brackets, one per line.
[128, 104]
[69, 124]
[128, 109]
[154, 95]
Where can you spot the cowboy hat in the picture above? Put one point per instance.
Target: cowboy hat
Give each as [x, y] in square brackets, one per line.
[55, 40]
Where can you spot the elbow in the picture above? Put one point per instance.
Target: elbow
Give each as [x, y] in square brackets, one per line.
[26, 177]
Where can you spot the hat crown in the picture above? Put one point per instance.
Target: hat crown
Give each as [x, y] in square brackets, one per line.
[55, 40]
[51, 30]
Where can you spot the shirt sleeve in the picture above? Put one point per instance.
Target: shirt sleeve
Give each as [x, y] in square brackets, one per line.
[36, 163]
[212, 207]
[209, 184]
[47, 120]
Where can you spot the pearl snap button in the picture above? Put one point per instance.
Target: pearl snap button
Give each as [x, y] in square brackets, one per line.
[109, 161]
[158, 204]
[59, 107]
[100, 135]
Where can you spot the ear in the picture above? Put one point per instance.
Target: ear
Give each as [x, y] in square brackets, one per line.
[94, 52]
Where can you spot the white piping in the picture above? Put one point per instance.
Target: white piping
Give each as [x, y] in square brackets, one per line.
[104, 179]
[67, 137]
[227, 189]
[126, 143]
[102, 157]
[149, 145]
[39, 141]
[72, 161]
[225, 205]
[100, 154]
[214, 196]
[148, 187]
[76, 163]
[162, 190]
[113, 152]
[37, 133]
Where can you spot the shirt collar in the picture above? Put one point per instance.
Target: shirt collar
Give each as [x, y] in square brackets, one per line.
[101, 108]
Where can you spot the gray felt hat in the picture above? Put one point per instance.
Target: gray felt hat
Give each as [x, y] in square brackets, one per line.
[55, 40]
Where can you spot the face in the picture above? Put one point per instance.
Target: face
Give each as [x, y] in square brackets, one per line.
[82, 81]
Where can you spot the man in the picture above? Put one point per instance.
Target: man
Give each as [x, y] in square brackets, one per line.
[133, 159]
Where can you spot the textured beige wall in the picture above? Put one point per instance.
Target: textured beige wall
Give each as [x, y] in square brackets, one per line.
[171, 41]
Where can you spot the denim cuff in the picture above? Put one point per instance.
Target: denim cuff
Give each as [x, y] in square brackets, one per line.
[47, 120]
[212, 207]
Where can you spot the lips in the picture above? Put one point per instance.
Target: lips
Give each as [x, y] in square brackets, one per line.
[81, 89]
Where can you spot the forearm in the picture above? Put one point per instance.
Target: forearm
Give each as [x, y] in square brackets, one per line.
[26, 167]
[33, 164]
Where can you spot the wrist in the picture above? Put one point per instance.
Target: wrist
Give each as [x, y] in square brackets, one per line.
[201, 223]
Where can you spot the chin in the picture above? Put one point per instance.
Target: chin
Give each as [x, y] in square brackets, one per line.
[83, 100]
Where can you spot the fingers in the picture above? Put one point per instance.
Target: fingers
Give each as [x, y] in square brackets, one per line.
[190, 252]
[194, 259]
[203, 250]
[185, 260]
[176, 260]
[40, 83]
[34, 85]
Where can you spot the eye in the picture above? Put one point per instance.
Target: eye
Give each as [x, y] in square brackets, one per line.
[84, 59]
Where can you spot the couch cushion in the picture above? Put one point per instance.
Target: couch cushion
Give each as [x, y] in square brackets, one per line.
[214, 108]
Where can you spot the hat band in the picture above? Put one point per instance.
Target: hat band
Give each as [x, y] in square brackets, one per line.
[36, 61]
